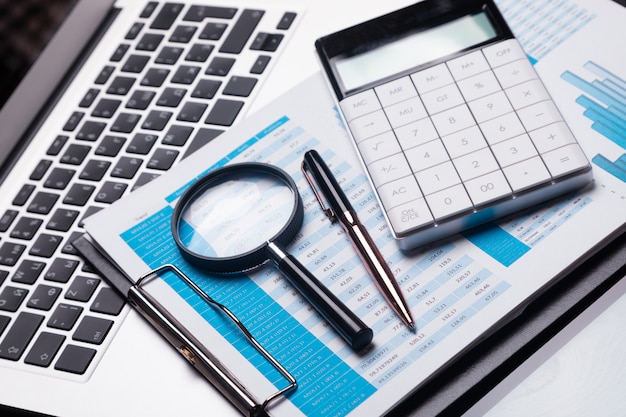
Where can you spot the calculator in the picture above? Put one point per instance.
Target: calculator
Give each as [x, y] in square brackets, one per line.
[449, 118]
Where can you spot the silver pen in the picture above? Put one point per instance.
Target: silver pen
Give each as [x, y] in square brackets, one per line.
[341, 210]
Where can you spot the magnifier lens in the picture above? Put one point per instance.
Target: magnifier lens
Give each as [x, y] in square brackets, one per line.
[236, 215]
[239, 217]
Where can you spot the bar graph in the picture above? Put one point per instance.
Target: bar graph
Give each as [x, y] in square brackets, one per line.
[604, 102]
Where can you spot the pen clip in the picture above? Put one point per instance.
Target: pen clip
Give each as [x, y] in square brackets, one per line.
[326, 210]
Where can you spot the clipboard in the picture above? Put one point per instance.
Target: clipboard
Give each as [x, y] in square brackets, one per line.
[198, 355]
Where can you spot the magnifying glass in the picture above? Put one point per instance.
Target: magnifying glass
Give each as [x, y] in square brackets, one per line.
[241, 216]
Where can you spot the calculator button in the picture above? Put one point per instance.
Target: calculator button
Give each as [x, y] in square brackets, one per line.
[479, 86]
[432, 78]
[395, 91]
[453, 120]
[503, 52]
[489, 107]
[476, 164]
[409, 216]
[438, 178]
[405, 112]
[443, 98]
[539, 115]
[370, 125]
[427, 155]
[552, 136]
[514, 150]
[359, 105]
[488, 188]
[527, 93]
[399, 192]
[565, 160]
[501, 128]
[448, 202]
[526, 174]
[467, 65]
[464, 142]
[389, 169]
[416, 133]
[379, 147]
[515, 73]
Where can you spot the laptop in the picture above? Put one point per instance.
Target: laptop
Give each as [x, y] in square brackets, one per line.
[122, 91]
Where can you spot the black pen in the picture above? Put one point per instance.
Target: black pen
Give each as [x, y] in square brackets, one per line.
[341, 210]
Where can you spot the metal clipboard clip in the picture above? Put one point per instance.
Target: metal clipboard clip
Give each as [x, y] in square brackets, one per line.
[203, 360]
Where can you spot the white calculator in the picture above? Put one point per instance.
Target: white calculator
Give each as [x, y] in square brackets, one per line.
[449, 117]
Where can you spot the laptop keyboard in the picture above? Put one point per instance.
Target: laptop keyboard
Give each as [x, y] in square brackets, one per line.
[181, 75]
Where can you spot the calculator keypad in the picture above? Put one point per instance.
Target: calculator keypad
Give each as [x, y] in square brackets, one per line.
[461, 136]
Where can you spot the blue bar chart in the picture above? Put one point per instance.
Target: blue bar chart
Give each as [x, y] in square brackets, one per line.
[604, 102]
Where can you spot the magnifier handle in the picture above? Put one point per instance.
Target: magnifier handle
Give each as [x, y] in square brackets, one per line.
[343, 320]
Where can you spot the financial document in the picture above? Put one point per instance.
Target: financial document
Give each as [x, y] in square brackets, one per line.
[458, 290]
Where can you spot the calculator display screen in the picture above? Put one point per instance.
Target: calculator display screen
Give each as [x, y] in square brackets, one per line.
[412, 50]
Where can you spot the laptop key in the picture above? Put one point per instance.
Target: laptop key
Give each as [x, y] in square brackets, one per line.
[110, 192]
[45, 245]
[40, 170]
[59, 178]
[23, 194]
[119, 52]
[108, 301]
[121, 85]
[213, 31]
[140, 99]
[26, 228]
[89, 97]
[241, 31]
[110, 145]
[73, 121]
[149, 9]
[156, 120]
[75, 359]
[57, 145]
[166, 16]
[169, 55]
[220, 66]
[176, 135]
[126, 167]
[10, 253]
[94, 170]
[224, 112]
[11, 298]
[183, 34]
[75, 154]
[28, 271]
[79, 194]
[42, 203]
[61, 270]
[43, 297]
[155, 77]
[104, 74]
[141, 144]
[125, 122]
[149, 42]
[199, 13]
[90, 131]
[163, 159]
[240, 86]
[4, 323]
[19, 335]
[92, 330]
[62, 220]
[135, 63]
[82, 288]
[44, 349]
[64, 316]
[7, 220]
[199, 52]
